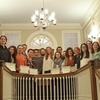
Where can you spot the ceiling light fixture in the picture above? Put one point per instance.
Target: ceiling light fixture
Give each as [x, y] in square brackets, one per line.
[42, 18]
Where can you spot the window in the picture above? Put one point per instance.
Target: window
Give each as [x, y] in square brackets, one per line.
[13, 37]
[71, 39]
[41, 39]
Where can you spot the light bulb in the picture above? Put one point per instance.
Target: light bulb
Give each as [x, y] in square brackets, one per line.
[35, 24]
[54, 21]
[41, 16]
[46, 11]
[33, 18]
[36, 12]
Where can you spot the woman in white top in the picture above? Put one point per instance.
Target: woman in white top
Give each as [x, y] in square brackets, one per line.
[85, 55]
[48, 60]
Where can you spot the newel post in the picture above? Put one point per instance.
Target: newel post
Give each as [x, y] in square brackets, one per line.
[95, 64]
[1, 79]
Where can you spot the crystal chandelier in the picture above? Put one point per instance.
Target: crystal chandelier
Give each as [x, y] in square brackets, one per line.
[42, 18]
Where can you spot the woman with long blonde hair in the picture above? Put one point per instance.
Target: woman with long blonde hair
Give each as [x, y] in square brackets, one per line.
[48, 60]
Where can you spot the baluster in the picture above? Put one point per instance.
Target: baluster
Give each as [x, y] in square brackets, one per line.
[26, 87]
[15, 88]
[64, 88]
[23, 87]
[74, 88]
[20, 88]
[29, 89]
[33, 89]
[36, 89]
[60, 88]
[43, 89]
[47, 87]
[40, 88]
[12, 89]
[51, 88]
[69, 78]
[57, 89]
[54, 88]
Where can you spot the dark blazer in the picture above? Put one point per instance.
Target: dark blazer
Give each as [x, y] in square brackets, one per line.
[39, 64]
[77, 61]
[5, 54]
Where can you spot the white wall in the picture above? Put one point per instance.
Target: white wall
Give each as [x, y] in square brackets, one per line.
[26, 31]
[93, 22]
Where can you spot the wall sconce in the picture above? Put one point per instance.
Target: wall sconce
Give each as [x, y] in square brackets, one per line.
[91, 37]
[98, 35]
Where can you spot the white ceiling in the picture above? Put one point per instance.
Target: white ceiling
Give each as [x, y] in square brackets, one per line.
[20, 11]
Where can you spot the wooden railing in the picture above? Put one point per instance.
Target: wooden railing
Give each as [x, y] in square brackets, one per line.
[97, 70]
[78, 85]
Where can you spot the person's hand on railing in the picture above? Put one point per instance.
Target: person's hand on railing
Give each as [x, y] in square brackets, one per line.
[61, 72]
[18, 69]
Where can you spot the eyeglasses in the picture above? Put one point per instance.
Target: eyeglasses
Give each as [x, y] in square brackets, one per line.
[36, 52]
[20, 48]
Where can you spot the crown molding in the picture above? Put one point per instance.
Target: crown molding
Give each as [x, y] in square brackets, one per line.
[92, 11]
[30, 26]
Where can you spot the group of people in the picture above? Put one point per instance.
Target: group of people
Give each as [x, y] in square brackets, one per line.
[45, 59]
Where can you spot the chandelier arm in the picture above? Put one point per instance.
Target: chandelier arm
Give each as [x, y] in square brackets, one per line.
[43, 19]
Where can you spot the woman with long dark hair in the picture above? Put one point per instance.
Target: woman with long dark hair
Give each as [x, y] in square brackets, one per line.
[13, 52]
[69, 60]
[96, 50]
[84, 55]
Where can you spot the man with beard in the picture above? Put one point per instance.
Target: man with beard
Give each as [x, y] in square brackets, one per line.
[42, 52]
[38, 61]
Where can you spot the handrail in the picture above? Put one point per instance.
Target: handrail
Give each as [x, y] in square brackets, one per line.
[46, 75]
[92, 66]
[98, 73]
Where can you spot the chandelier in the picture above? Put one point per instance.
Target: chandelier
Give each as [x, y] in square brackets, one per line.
[42, 18]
